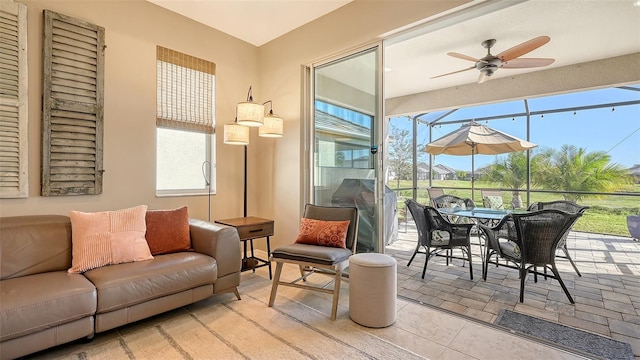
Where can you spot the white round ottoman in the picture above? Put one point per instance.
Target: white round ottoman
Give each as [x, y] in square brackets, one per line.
[372, 289]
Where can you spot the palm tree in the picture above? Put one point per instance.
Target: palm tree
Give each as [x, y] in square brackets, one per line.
[511, 172]
[573, 169]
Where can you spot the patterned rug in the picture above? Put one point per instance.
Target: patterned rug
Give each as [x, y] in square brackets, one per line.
[555, 333]
[222, 327]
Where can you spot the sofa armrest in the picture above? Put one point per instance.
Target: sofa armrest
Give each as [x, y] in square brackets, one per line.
[218, 241]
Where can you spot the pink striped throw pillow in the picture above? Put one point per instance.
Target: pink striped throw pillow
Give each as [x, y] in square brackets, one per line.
[108, 237]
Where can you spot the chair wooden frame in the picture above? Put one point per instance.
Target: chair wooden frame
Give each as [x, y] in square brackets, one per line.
[301, 255]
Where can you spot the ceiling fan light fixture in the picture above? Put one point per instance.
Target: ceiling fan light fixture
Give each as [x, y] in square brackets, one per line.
[509, 58]
[488, 71]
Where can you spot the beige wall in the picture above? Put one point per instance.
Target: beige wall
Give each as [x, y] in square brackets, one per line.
[133, 28]
[278, 160]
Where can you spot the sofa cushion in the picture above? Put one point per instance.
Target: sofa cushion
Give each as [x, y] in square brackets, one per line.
[124, 285]
[168, 231]
[37, 302]
[34, 244]
[108, 237]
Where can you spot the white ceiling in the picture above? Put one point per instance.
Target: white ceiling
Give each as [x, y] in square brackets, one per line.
[254, 21]
[580, 31]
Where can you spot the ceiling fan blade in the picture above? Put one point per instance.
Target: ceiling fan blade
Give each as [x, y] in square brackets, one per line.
[482, 78]
[523, 48]
[521, 63]
[454, 72]
[462, 56]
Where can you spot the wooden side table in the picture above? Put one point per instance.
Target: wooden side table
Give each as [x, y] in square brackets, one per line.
[250, 228]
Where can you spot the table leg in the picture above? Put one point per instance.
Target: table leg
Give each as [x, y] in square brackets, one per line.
[252, 256]
[244, 255]
[269, 256]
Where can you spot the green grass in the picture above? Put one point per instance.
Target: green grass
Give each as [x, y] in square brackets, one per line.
[607, 215]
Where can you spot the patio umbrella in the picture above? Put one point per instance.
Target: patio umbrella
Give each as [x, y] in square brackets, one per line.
[473, 138]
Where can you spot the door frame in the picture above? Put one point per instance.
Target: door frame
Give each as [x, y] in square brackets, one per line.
[380, 131]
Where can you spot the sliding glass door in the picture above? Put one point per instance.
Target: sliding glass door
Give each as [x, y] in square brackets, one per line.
[344, 134]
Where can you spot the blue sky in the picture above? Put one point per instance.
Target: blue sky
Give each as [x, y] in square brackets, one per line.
[613, 130]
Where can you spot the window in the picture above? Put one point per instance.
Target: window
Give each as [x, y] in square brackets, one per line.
[343, 136]
[13, 101]
[185, 124]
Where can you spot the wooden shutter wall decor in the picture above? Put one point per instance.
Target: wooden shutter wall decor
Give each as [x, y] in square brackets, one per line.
[73, 106]
[13, 101]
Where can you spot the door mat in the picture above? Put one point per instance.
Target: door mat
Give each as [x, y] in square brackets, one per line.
[564, 335]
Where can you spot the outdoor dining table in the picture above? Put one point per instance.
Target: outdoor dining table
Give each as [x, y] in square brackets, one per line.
[479, 214]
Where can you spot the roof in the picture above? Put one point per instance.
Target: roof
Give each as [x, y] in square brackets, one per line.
[335, 125]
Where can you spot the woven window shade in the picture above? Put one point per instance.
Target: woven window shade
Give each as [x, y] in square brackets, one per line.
[185, 91]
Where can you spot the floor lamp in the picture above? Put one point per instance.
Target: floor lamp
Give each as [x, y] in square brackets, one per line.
[206, 173]
[250, 114]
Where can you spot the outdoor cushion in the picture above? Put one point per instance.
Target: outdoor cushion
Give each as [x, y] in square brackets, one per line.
[440, 237]
[510, 249]
[493, 202]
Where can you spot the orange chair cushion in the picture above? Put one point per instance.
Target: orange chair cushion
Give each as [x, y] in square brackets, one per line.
[323, 233]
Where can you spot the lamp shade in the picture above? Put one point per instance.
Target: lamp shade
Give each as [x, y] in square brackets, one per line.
[235, 134]
[250, 114]
[272, 127]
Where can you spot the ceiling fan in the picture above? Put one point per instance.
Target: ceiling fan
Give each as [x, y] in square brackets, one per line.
[508, 59]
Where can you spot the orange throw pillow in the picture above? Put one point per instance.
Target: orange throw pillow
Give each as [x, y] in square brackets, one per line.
[168, 231]
[108, 237]
[323, 233]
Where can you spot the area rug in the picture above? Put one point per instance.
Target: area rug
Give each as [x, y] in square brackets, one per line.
[232, 329]
[555, 333]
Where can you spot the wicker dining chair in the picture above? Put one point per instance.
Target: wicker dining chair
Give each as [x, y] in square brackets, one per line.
[437, 234]
[434, 193]
[492, 199]
[528, 240]
[452, 201]
[567, 206]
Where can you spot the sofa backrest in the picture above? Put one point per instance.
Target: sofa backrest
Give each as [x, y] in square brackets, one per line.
[34, 244]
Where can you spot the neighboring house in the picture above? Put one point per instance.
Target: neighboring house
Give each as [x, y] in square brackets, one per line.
[423, 172]
[444, 172]
[635, 172]
[346, 143]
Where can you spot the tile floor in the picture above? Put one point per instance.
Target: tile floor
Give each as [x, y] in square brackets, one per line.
[607, 295]
[425, 330]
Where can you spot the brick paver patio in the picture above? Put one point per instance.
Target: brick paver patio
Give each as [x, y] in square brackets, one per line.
[607, 295]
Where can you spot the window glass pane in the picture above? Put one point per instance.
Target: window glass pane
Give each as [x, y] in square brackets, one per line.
[180, 158]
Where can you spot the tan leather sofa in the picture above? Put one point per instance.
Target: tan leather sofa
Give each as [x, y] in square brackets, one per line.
[42, 305]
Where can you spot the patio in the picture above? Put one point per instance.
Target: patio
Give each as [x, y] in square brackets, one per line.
[607, 295]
